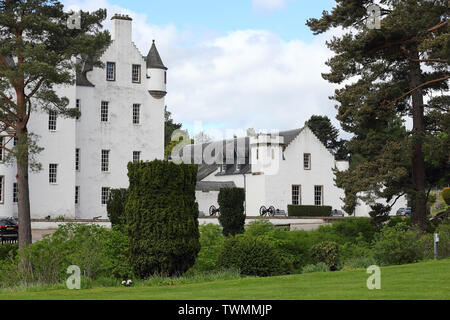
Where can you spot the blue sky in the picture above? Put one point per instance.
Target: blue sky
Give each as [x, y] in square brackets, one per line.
[234, 64]
[287, 20]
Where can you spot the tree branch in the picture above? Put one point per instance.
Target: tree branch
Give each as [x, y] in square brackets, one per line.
[419, 87]
[7, 149]
[33, 92]
[438, 26]
[405, 53]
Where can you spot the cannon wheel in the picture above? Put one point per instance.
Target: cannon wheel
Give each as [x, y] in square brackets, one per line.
[272, 211]
[212, 211]
[262, 211]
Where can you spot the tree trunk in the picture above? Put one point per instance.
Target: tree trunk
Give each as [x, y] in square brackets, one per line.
[25, 237]
[419, 214]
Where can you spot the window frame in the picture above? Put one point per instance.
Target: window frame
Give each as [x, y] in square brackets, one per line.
[308, 168]
[299, 195]
[78, 107]
[77, 159]
[105, 160]
[53, 172]
[105, 197]
[77, 195]
[136, 115]
[104, 112]
[321, 195]
[138, 153]
[139, 73]
[108, 64]
[52, 121]
[2, 189]
[15, 192]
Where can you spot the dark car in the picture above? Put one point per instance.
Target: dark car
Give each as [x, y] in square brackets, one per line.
[9, 230]
[407, 211]
[337, 213]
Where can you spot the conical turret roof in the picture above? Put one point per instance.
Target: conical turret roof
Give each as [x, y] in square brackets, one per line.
[154, 59]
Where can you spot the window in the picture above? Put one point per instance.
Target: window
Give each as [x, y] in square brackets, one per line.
[77, 159]
[77, 195]
[136, 73]
[78, 106]
[111, 71]
[105, 195]
[2, 185]
[136, 156]
[307, 161]
[15, 192]
[136, 113]
[318, 195]
[165, 77]
[52, 117]
[105, 160]
[1, 149]
[296, 195]
[15, 141]
[104, 111]
[53, 171]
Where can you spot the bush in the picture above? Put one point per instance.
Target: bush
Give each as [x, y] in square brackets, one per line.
[162, 218]
[426, 243]
[313, 268]
[116, 208]
[326, 252]
[309, 211]
[358, 263]
[211, 241]
[379, 214]
[8, 250]
[252, 256]
[259, 227]
[232, 215]
[446, 195]
[353, 229]
[397, 245]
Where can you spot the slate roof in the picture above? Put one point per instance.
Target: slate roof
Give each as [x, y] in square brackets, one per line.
[153, 59]
[207, 186]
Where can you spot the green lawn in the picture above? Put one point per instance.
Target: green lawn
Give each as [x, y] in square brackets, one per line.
[426, 280]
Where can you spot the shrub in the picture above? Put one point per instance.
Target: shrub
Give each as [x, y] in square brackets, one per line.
[326, 252]
[446, 195]
[309, 211]
[162, 218]
[426, 243]
[116, 207]
[259, 227]
[313, 268]
[379, 214]
[353, 229]
[211, 240]
[358, 263]
[8, 250]
[252, 256]
[232, 216]
[397, 245]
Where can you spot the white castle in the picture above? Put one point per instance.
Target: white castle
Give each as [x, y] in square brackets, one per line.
[122, 120]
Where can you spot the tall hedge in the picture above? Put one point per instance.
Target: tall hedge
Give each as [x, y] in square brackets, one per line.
[232, 212]
[162, 218]
[446, 195]
[309, 211]
[116, 207]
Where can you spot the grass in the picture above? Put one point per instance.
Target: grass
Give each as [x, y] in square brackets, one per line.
[425, 280]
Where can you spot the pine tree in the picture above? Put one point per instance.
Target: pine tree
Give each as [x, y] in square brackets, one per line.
[38, 50]
[392, 70]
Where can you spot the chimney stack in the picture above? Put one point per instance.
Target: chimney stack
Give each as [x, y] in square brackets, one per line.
[121, 28]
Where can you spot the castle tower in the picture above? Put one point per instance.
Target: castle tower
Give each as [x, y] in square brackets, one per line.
[156, 73]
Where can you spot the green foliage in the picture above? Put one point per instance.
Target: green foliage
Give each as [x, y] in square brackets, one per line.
[97, 251]
[259, 227]
[8, 250]
[252, 256]
[116, 207]
[446, 195]
[358, 263]
[162, 218]
[313, 268]
[379, 214]
[326, 252]
[397, 245]
[211, 241]
[309, 211]
[232, 215]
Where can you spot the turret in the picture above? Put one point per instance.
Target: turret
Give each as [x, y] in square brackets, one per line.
[266, 153]
[156, 74]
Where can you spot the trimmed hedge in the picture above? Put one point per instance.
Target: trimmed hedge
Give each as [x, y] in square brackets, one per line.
[162, 218]
[309, 211]
[116, 207]
[232, 211]
[446, 195]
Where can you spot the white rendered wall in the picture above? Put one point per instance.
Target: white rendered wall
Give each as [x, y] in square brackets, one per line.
[119, 134]
[205, 200]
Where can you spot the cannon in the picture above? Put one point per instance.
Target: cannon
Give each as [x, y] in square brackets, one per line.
[213, 211]
[263, 211]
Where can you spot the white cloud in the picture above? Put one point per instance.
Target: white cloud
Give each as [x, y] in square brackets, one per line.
[268, 5]
[244, 79]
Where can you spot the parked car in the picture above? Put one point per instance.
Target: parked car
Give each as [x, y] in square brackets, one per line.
[401, 212]
[9, 230]
[407, 211]
[337, 213]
